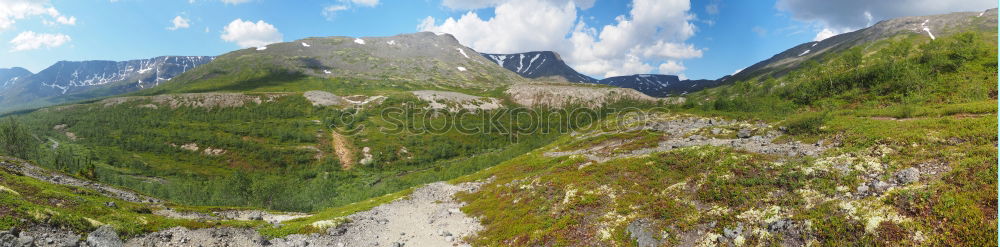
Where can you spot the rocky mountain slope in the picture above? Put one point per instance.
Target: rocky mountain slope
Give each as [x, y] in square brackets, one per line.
[546, 65]
[9, 76]
[659, 85]
[563, 95]
[932, 27]
[80, 80]
[408, 61]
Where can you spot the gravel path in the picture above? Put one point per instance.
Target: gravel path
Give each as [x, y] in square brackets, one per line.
[428, 217]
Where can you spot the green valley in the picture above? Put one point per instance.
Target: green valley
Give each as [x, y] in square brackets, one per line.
[880, 137]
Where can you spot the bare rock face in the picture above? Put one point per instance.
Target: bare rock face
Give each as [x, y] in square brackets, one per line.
[454, 101]
[323, 98]
[564, 95]
[195, 100]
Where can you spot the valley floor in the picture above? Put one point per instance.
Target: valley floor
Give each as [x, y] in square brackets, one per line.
[658, 179]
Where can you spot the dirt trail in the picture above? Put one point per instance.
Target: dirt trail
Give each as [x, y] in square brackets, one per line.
[428, 217]
[342, 147]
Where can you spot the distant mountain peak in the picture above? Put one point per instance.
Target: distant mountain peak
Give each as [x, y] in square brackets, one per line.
[657, 85]
[549, 65]
[539, 65]
[9, 76]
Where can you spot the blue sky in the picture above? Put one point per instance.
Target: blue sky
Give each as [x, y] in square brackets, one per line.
[703, 38]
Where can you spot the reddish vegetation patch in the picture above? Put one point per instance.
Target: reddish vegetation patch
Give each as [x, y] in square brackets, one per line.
[890, 233]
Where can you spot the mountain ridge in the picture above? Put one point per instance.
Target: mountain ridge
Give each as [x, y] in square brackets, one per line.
[932, 26]
[551, 66]
[421, 60]
[67, 81]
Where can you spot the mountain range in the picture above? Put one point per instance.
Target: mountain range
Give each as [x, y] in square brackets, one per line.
[549, 66]
[68, 81]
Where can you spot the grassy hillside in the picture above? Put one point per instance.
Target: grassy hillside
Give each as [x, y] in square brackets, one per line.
[25, 201]
[899, 76]
[880, 111]
[346, 65]
[256, 153]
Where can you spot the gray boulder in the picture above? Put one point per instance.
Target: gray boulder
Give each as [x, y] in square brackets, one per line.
[104, 236]
[908, 175]
[641, 232]
[744, 133]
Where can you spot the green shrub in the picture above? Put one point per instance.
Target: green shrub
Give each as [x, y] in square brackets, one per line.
[807, 123]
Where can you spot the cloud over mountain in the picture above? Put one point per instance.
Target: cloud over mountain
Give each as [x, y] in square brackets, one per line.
[13, 10]
[29, 40]
[651, 34]
[249, 34]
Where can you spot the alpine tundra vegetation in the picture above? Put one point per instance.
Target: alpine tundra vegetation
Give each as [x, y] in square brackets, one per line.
[881, 136]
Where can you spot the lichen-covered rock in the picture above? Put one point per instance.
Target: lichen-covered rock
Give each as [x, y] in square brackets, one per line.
[642, 233]
[908, 175]
[744, 133]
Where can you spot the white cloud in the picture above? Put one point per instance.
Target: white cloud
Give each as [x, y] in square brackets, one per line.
[478, 4]
[671, 67]
[830, 32]
[233, 2]
[330, 11]
[29, 40]
[13, 10]
[835, 17]
[366, 3]
[250, 34]
[179, 23]
[652, 31]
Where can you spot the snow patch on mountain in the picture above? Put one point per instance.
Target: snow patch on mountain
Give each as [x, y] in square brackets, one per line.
[304, 44]
[66, 76]
[462, 51]
[359, 41]
[539, 64]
